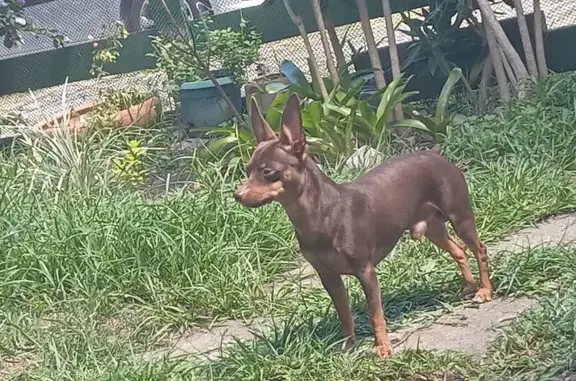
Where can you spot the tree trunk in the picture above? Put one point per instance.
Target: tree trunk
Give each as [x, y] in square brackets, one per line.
[325, 44]
[300, 25]
[497, 62]
[508, 69]
[512, 55]
[340, 59]
[487, 70]
[393, 49]
[371, 43]
[539, 40]
[526, 42]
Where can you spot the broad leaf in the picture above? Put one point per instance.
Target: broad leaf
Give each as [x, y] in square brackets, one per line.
[218, 145]
[275, 87]
[453, 78]
[274, 112]
[409, 123]
[295, 75]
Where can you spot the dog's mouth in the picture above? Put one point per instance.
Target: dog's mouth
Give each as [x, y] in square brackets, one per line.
[256, 204]
[251, 202]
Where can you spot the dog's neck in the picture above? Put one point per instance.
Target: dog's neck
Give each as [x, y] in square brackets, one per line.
[315, 196]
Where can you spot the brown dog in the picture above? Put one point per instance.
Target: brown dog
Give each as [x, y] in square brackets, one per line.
[349, 228]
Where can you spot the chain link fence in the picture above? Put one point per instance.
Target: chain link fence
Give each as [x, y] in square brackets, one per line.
[80, 23]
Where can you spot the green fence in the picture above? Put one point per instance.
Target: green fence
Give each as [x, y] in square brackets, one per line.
[28, 75]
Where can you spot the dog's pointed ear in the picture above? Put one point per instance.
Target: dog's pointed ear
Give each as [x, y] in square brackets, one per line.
[291, 130]
[261, 128]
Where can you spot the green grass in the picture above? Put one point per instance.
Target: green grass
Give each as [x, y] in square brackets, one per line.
[93, 272]
[308, 346]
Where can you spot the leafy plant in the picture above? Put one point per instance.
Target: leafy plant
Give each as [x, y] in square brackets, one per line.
[349, 116]
[438, 125]
[224, 50]
[131, 166]
[347, 119]
[109, 53]
[434, 32]
[13, 22]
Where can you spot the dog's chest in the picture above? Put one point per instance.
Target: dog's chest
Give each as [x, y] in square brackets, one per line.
[320, 251]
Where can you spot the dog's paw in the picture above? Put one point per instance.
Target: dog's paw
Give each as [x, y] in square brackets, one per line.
[382, 350]
[350, 343]
[483, 295]
[468, 291]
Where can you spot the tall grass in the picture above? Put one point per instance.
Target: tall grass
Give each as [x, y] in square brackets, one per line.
[74, 236]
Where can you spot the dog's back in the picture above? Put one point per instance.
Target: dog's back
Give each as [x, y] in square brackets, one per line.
[400, 186]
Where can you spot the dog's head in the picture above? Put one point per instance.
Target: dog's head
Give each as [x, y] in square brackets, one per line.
[276, 168]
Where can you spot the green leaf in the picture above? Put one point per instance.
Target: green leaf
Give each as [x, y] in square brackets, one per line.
[294, 75]
[274, 112]
[432, 65]
[367, 112]
[384, 106]
[275, 87]
[354, 92]
[218, 145]
[342, 110]
[213, 130]
[409, 123]
[453, 78]
[312, 114]
[348, 130]
[430, 124]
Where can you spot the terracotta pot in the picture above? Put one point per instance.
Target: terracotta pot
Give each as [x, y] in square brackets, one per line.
[141, 114]
[76, 118]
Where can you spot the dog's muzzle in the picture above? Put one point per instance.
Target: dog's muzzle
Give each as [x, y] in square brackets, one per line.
[242, 195]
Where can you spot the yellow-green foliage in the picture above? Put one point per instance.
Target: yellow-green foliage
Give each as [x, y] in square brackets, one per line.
[130, 166]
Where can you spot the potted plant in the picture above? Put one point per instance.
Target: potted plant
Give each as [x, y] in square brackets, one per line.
[227, 52]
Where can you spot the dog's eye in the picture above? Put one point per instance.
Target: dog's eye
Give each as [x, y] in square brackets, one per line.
[271, 175]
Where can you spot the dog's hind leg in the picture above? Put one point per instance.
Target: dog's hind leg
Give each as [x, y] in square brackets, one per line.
[466, 229]
[437, 233]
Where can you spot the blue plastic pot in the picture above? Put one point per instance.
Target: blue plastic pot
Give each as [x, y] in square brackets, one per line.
[201, 105]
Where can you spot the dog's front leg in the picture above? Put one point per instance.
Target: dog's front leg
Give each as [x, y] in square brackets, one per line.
[371, 286]
[335, 287]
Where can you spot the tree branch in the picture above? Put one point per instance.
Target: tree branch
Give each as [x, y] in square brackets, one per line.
[497, 62]
[500, 36]
[371, 43]
[300, 25]
[525, 36]
[325, 44]
[393, 50]
[539, 40]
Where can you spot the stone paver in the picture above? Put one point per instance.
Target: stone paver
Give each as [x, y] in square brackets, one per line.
[467, 330]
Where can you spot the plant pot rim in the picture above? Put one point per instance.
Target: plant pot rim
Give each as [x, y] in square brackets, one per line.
[197, 85]
[268, 77]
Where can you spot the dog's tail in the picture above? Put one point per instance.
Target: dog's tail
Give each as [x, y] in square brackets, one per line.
[436, 149]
